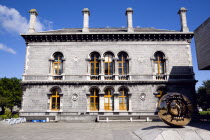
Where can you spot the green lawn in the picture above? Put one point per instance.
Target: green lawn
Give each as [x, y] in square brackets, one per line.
[204, 112]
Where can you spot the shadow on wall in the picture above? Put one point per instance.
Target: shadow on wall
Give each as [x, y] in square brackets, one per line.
[181, 73]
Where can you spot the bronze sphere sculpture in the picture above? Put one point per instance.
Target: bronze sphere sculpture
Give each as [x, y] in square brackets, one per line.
[175, 109]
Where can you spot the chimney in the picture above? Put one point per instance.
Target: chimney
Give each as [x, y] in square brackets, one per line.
[129, 13]
[183, 19]
[86, 14]
[32, 24]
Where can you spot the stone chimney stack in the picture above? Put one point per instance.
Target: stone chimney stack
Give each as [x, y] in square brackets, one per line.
[183, 19]
[32, 24]
[86, 14]
[129, 13]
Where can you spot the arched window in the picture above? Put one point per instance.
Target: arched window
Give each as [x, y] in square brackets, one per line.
[109, 99]
[57, 64]
[94, 99]
[94, 63]
[159, 63]
[55, 99]
[123, 99]
[123, 63]
[161, 91]
[109, 64]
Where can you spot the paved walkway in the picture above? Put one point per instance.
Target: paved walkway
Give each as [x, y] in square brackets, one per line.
[97, 131]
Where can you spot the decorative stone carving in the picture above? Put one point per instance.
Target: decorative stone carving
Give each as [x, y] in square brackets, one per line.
[142, 96]
[74, 97]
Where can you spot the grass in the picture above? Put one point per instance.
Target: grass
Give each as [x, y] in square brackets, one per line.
[204, 112]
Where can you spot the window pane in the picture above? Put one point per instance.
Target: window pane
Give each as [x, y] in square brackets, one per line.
[156, 68]
[106, 100]
[92, 68]
[111, 68]
[97, 71]
[120, 71]
[106, 68]
[125, 100]
[162, 68]
[58, 103]
[120, 100]
[53, 102]
[60, 69]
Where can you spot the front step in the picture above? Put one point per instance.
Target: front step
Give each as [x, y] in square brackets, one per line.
[128, 118]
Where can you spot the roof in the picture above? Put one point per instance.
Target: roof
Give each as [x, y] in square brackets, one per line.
[106, 34]
[111, 30]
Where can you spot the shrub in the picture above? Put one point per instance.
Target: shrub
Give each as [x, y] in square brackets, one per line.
[204, 112]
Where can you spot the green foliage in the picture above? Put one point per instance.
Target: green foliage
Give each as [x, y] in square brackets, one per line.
[10, 93]
[203, 95]
[204, 112]
[3, 116]
[15, 116]
[8, 114]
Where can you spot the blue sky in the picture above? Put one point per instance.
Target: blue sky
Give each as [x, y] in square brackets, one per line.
[58, 14]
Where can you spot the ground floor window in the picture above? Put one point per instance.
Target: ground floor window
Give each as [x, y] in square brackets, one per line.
[94, 99]
[55, 100]
[108, 99]
[123, 99]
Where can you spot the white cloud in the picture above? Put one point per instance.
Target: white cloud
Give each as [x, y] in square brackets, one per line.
[12, 21]
[7, 49]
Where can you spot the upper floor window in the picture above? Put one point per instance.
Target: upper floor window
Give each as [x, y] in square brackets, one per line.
[94, 63]
[159, 63]
[123, 63]
[57, 66]
[109, 64]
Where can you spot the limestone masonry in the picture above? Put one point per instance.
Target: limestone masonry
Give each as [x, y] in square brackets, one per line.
[83, 72]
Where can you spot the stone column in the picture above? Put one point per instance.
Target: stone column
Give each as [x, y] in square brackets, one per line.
[116, 71]
[101, 102]
[153, 67]
[182, 12]
[86, 14]
[129, 102]
[129, 13]
[32, 24]
[88, 102]
[116, 102]
[88, 68]
[64, 69]
[102, 69]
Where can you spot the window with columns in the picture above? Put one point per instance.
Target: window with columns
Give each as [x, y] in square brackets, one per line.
[109, 99]
[122, 63]
[123, 99]
[109, 64]
[159, 63]
[94, 63]
[57, 65]
[94, 99]
[55, 99]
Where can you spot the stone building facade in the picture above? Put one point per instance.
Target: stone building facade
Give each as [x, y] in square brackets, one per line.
[202, 43]
[104, 71]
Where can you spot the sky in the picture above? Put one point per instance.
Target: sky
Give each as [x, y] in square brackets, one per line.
[58, 14]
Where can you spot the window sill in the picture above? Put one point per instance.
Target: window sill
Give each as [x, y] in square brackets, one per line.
[55, 110]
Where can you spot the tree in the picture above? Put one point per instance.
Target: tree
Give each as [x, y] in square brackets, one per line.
[203, 95]
[10, 93]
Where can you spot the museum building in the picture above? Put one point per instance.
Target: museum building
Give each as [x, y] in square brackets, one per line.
[79, 73]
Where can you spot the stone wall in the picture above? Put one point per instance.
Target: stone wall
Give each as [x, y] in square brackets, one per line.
[178, 55]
